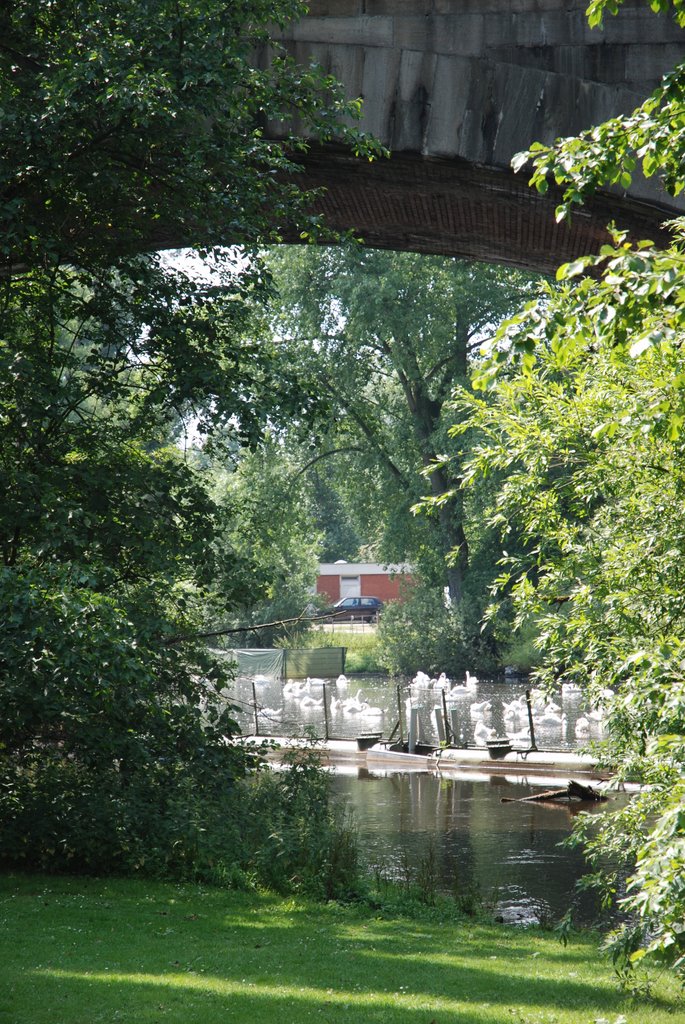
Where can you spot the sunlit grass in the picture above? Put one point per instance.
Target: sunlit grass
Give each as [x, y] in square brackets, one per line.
[76, 951]
[361, 645]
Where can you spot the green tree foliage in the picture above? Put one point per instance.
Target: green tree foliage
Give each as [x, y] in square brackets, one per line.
[385, 337]
[129, 126]
[583, 416]
[593, 468]
[267, 540]
[123, 126]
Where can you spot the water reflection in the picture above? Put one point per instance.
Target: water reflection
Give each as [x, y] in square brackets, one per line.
[509, 851]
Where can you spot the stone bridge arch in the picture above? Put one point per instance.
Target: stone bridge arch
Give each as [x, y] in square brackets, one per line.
[454, 88]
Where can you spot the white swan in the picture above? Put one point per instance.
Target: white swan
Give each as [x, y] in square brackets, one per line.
[512, 717]
[522, 736]
[341, 680]
[481, 734]
[515, 707]
[582, 727]
[471, 681]
[481, 707]
[368, 711]
[275, 714]
[311, 702]
[293, 688]
[549, 720]
[459, 690]
[353, 705]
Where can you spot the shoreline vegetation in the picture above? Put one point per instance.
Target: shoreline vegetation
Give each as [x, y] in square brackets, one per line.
[106, 950]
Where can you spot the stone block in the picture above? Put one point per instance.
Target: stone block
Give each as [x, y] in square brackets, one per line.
[413, 101]
[448, 105]
[647, 64]
[361, 31]
[635, 26]
[345, 63]
[518, 96]
[398, 8]
[335, 8]
[379, 84]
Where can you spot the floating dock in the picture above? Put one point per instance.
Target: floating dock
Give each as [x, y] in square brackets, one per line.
[537, 767]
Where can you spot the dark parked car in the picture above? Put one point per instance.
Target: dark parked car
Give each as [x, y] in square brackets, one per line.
[359, 609]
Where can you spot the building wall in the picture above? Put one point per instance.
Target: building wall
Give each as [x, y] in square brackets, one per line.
[330, 586]
[374, 580]
[382, 585]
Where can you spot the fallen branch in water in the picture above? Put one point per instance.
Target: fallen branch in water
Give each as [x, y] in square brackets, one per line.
[574, 791]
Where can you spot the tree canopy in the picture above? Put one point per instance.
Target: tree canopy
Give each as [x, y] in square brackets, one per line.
[129, 127]
[385, 336]
[125, 126]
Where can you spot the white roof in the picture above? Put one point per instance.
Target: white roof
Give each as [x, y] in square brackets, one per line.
[362, 569]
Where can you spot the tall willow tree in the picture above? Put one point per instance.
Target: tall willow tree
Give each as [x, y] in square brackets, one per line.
[385, 337]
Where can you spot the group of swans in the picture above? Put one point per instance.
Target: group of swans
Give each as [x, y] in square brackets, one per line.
[299, 691]
[547, 715]
[422, 681]
[355, 706]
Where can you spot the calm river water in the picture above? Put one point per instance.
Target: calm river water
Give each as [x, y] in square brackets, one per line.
[508, 852]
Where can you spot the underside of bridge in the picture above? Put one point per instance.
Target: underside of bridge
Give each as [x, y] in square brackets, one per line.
[453, 208]
[454, 88]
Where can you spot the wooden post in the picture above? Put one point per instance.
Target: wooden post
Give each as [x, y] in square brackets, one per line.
[413, 729]
[439, 726]
[533, 745]
[325, 713]
[445, 718]
[256, 713]
[454, 723]
[399, 713]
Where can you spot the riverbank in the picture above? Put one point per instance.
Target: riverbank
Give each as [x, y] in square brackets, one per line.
[81, 949]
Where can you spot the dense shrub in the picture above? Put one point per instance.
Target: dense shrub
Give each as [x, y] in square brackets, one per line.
[112, 744]
[422, 633]
[294, 837]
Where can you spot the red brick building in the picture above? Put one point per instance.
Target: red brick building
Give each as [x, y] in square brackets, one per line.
[361, 579]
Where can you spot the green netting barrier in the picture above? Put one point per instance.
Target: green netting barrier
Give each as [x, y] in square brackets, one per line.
[257, 661]
[324, 662]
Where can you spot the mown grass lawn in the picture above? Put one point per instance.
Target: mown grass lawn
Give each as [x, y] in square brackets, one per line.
[79, 951]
